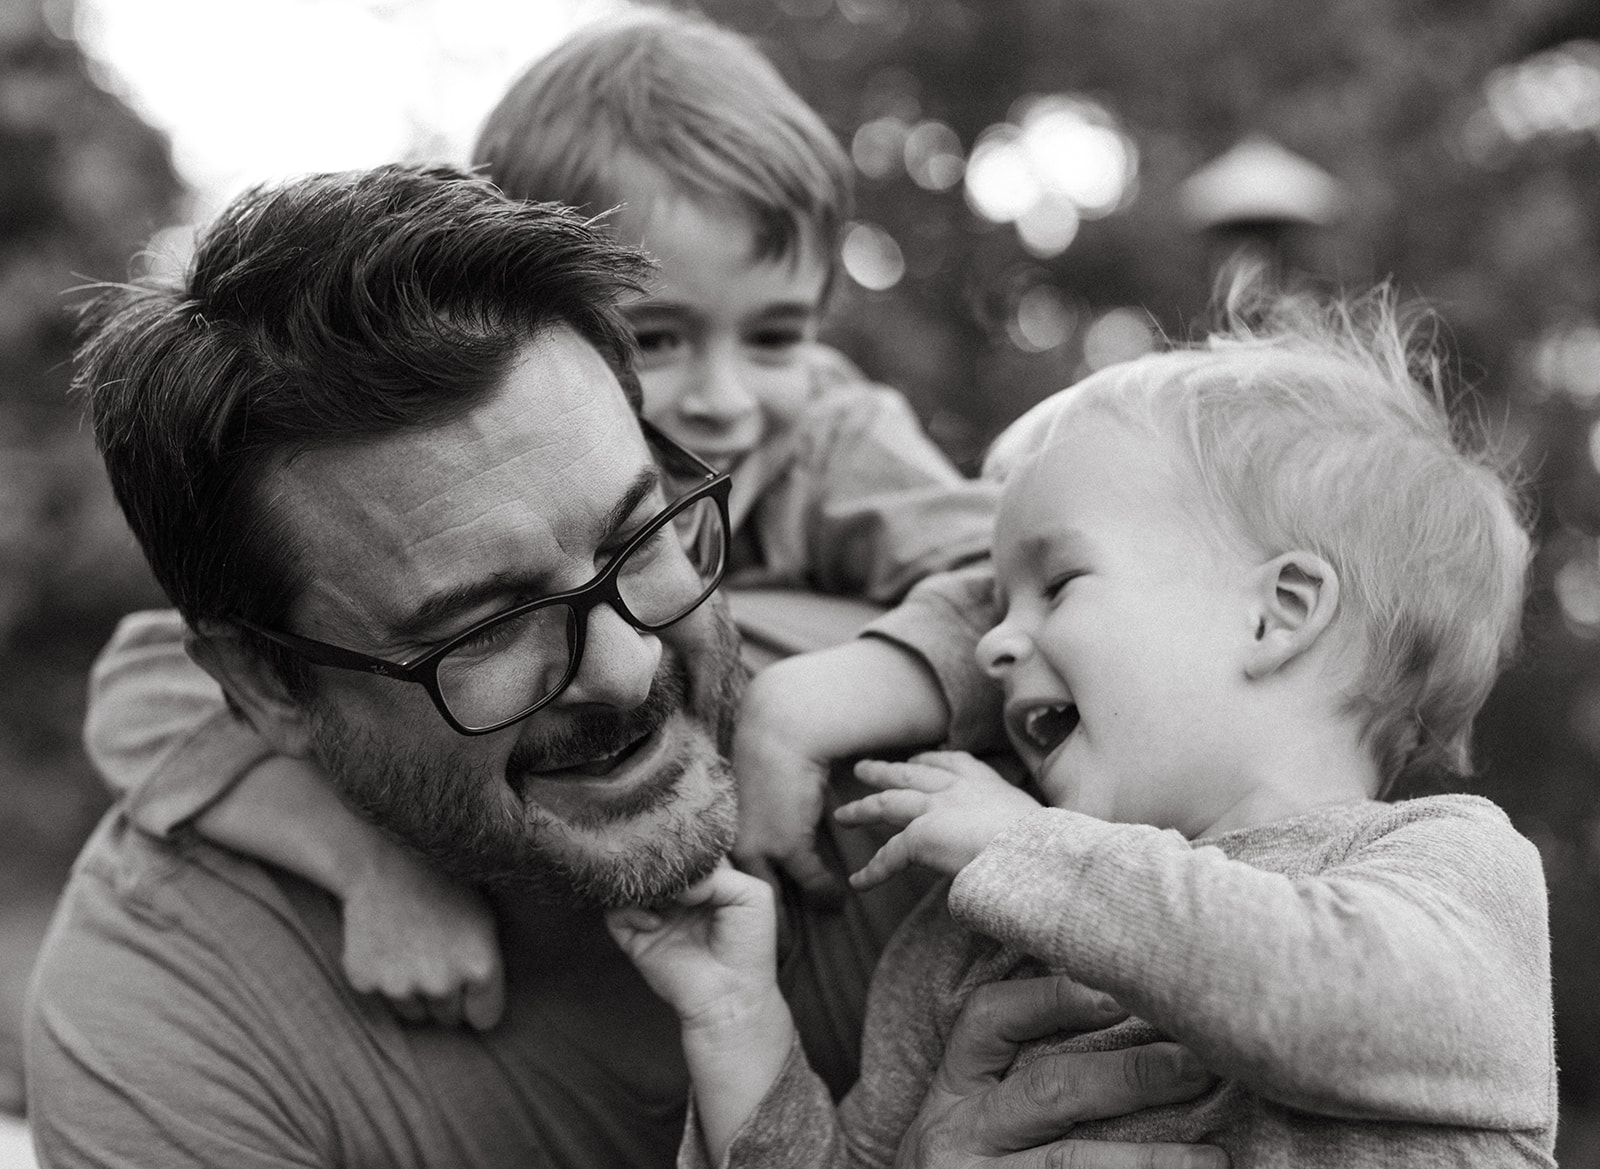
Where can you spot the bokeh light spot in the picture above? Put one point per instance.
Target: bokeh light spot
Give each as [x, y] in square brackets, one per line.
[871, 257]
[1001, 184]
[878, 146]
[1048, 227]
[1577, 589]
[1043, 320]
[1118, 335]
[933, 156]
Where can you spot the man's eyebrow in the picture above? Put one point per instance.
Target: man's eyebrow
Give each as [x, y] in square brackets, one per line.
[513, 587]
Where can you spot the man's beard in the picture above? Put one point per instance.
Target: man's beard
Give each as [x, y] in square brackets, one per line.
[643, 847]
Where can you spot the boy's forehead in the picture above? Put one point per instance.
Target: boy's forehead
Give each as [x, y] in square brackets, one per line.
[678, 229]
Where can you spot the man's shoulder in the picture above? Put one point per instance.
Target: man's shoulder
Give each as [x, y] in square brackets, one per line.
[145, 926]
[184, 1000]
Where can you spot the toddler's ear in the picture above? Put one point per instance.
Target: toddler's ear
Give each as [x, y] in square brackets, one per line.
[1295, 598]
[252, 687]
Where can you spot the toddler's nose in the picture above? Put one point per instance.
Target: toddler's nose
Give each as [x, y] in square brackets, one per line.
[1002, 649]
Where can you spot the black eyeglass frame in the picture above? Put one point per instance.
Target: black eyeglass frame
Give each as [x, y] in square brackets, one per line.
[423, 669]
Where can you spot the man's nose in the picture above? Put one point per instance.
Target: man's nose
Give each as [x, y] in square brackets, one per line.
[1002, 649]
[619, 663]
[718, 392]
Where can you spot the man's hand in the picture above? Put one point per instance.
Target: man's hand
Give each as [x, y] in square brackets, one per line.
[948, 805]
[974, 1119]
[422, 941]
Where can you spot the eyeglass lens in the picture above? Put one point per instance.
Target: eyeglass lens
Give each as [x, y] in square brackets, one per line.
[512, 665]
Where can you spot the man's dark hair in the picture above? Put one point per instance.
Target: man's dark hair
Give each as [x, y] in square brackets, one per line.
[328, 310]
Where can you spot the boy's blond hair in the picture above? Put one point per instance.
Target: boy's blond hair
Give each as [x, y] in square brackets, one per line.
[1321, 427]
[655, 98]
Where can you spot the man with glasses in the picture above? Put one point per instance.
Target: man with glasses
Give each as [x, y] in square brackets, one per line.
[381, 450]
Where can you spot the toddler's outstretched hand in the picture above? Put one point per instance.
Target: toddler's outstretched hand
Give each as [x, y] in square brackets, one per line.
[424, 942]
[947, 804]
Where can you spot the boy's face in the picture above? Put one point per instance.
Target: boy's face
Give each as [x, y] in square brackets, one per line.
[722, 336]
[1126, 618]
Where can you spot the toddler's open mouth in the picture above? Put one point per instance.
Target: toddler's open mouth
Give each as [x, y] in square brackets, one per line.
[1046, 726]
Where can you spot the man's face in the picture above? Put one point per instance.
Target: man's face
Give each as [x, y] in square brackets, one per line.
[617, 790]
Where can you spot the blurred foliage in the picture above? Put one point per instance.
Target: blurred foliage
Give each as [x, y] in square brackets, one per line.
[83, 183]
[1490, 214]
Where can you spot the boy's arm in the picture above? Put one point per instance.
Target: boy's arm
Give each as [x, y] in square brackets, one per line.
[939, 624]
[426, 943]
[1409, 982]
[885, 508]
[160, 731]
[801, 714]
[157, 727]
[909, 681]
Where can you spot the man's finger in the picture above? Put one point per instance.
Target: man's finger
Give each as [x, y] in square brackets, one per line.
[1000, 1016]
[1042, 1101]
[1111, 1155]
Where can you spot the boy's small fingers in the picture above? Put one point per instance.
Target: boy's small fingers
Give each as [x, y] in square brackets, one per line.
[819, 884]
[445, 1009]
[410, 1008]
[482, 1005]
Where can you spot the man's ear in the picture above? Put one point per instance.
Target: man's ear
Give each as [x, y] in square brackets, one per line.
[1296, 597]
[250, 683]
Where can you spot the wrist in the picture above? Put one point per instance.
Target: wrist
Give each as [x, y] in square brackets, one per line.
[734, 1061]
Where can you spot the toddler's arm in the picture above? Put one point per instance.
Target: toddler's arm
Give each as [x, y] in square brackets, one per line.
[713, 956]
[887, 508]
[159, 730]
[1409, 981]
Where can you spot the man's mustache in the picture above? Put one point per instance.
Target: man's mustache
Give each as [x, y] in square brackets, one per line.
[595, 734]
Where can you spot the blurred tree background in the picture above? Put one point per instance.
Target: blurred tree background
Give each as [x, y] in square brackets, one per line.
[1025, 214]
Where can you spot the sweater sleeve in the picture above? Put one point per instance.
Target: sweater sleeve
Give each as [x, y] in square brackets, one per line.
[794, 1127]
[158, 729]
[1408, 981]
[940, 622]
[883, 505]
[911, 1005]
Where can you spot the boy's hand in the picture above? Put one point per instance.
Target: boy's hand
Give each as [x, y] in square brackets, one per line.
[799, 716]
[424, 942]
[781, 792]
[713, 954]
[948, 805]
